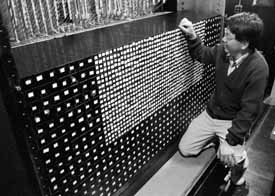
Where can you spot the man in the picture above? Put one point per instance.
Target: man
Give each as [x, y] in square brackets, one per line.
[241, 76]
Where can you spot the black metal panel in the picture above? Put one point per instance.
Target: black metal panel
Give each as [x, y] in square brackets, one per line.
[92, 125]
[17, 172]
[15, 177]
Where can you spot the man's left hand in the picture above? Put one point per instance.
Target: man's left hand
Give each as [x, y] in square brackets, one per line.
[226, 154]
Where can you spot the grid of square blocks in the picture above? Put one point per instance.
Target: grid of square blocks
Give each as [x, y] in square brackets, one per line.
[92, 125]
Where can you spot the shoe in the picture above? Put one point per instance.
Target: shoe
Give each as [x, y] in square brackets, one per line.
[237, 173]
[237, 190]
[235, 184]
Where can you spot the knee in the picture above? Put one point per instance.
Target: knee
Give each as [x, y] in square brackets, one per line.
[185, 152]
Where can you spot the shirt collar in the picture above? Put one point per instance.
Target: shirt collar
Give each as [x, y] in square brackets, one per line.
[241, 59]
[236, 63]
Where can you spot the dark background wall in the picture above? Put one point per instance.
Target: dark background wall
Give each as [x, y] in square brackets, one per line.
[268, 41]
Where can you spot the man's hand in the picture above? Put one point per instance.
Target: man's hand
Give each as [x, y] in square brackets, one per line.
[187, 27]
[226, 154]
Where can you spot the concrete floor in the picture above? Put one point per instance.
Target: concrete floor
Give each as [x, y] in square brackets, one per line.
[261, 153]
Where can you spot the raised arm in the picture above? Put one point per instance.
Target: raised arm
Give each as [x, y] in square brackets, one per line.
[197, 50]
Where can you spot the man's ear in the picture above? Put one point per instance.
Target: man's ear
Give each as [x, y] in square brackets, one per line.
[244, 45]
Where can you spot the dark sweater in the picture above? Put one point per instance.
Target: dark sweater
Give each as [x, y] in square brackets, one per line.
[237, 97]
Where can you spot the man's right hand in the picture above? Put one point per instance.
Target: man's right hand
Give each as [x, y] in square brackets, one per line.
[187, 27]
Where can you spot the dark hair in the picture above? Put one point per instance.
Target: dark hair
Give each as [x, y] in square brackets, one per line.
[246, 27]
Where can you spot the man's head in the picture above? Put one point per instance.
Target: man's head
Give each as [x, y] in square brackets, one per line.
[242, 33]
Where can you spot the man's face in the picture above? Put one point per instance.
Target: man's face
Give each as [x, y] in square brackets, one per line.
[232, 46]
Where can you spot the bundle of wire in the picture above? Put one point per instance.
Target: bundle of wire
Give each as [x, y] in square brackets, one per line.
[39, 18]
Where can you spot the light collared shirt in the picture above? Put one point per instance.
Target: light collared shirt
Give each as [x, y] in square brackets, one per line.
[234, 64]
